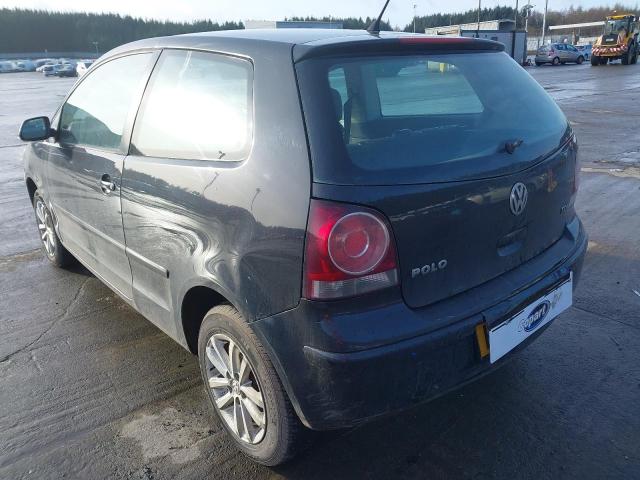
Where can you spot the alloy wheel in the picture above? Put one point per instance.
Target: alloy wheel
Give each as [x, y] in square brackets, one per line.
[45, 226]
[235, 389]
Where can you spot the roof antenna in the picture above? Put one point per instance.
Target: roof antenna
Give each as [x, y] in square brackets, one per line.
[375, 25]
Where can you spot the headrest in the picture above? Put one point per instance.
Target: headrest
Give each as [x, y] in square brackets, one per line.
[337, 103]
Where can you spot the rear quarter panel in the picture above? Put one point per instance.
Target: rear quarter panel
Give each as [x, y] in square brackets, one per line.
[237, 227]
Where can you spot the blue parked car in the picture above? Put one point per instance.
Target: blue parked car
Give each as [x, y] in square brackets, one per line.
[585, 50]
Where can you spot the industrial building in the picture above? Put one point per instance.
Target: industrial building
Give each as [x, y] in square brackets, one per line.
[503, 31]
[290, 24]
[504, 25]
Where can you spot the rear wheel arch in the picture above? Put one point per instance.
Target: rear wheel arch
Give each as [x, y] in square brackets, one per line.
[196, 302]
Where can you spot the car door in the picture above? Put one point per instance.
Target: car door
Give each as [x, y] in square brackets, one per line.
[572, 53]
[85, 165]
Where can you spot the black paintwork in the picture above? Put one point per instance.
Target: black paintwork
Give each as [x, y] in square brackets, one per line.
[360, 358]
[238, 228]
[469, 224]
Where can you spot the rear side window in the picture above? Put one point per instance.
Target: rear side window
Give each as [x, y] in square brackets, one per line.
[402, 119]
[197, 106]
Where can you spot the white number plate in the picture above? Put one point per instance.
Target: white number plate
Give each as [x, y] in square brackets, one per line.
[509, 334]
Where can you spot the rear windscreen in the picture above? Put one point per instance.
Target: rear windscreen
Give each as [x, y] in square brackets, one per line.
[424, 118]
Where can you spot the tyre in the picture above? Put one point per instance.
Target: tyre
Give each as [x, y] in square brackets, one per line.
[556, 61]
[603, 60]
[626, 59]
[245, 390]
[595, 61]
[51, 244]
[580, 60]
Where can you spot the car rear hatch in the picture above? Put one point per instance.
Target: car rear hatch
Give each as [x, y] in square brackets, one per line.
[465, 154]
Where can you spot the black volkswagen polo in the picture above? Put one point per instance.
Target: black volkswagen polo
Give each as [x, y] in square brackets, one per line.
[339, 224]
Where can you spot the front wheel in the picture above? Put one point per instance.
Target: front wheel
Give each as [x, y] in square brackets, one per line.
[556, 61]
[580, 60]
[245, 390]
[51, 244]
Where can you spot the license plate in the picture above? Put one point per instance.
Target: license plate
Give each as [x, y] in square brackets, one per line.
[506, 336]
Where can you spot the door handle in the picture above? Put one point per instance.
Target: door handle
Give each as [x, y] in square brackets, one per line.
[106, 185]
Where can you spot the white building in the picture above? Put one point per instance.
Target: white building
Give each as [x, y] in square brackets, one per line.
[288, 24]
[504, 25]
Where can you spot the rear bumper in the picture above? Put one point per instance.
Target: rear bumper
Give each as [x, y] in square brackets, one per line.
[344, 362]
[616, 52]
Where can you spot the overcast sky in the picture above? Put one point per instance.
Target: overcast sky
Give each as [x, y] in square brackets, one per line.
[400, 12]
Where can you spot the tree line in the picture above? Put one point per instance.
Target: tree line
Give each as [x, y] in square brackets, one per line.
[23, 30]
[38, 30]
[350, 23]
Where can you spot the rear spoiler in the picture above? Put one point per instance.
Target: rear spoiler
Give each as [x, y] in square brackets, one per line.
[374, 44]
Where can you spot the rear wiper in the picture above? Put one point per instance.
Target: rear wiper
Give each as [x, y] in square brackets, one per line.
[510, 147]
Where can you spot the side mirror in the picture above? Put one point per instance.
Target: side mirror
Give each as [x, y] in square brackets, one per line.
[38, 128]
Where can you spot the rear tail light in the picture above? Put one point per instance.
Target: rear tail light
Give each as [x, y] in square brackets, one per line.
[349, 251]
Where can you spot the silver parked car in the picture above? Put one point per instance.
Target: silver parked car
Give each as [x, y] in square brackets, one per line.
[558, 53]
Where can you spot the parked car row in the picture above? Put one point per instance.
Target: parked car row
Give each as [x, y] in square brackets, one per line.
[9, 66]
[49, 67]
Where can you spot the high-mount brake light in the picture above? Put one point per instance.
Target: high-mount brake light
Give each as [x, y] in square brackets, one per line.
[349, 251]
[434, 40]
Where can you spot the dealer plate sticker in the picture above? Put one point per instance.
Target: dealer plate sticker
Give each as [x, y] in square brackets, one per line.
[506, 336]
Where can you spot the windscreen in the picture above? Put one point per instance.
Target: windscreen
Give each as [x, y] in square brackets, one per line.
[616, 26]
[406, 119]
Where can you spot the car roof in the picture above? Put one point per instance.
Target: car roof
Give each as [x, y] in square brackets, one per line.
[313, 39]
